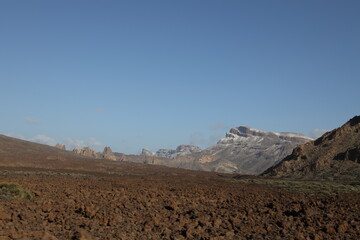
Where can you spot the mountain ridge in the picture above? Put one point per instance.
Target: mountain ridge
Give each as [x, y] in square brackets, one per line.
[243, 150]
[332, 154]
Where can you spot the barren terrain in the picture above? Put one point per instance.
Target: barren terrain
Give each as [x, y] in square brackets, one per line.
[164, 203]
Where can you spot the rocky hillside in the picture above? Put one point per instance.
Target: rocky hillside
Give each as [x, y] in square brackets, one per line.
[171, 153]
[244, 150]
[249, 151]
[335, 154]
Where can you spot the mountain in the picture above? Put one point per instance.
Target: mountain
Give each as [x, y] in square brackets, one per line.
[335, 154]
[244, 150]
[171, 153]
[249, 151]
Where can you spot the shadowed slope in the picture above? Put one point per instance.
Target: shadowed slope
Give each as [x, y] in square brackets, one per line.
[336, 154]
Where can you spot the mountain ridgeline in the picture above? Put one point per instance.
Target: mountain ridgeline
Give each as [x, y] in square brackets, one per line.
[181, 150]
[244, 150]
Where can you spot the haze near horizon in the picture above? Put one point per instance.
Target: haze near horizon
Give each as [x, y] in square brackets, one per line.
[157, 74]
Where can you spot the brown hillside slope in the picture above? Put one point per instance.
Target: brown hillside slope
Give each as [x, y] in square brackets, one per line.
[335, 154]
[19, 153]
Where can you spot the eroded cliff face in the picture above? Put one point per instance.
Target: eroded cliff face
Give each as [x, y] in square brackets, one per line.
[335, 152]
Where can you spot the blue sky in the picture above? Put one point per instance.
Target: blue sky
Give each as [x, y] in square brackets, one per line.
[156, 74]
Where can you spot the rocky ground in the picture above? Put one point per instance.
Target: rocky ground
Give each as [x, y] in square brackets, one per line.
[168, 204]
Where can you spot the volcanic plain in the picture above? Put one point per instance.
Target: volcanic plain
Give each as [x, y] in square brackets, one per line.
[169, 204]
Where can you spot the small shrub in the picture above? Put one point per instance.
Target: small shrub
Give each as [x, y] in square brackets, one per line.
[10, 191]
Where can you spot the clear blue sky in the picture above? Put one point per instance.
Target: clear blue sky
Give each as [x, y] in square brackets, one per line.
[156, 74]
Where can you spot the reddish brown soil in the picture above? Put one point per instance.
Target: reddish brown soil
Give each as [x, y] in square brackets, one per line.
[167, 204]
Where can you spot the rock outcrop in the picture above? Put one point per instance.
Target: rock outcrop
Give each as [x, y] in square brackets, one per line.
[89, 152]
[146, 152]
[108, 154]
[181, 150]
[166, 153]
[60, 146]
[335, 153]
[187, 149]
[86, 151]
[351, 154]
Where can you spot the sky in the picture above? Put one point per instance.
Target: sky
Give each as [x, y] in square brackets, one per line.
[156, 74]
